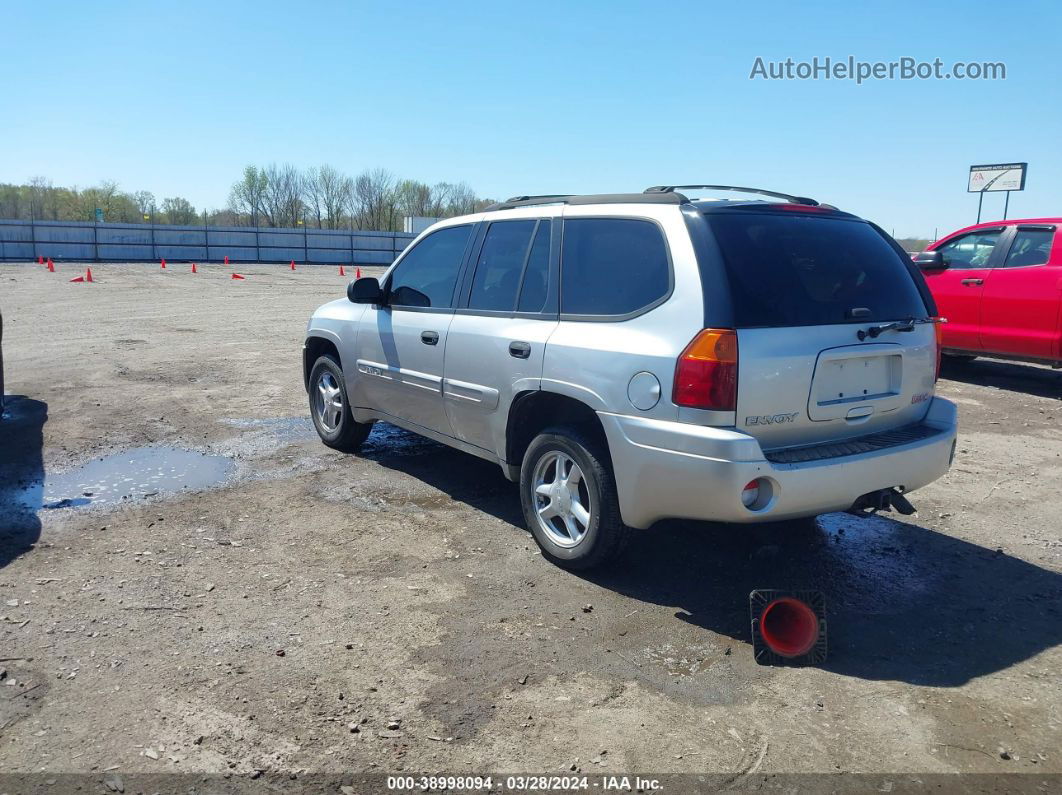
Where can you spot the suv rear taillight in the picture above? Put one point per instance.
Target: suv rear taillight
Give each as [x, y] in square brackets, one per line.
[938, 328]
[706, 373]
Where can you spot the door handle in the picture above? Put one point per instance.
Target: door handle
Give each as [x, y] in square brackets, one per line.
[520, 350]
[972, 282]
[429, 337]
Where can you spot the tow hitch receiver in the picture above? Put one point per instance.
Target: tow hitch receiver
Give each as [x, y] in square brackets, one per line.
[881, 500]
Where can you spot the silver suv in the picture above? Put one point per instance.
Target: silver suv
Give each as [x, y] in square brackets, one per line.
[634, 357]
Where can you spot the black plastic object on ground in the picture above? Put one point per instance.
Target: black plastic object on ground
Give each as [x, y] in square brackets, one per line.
[788, 627]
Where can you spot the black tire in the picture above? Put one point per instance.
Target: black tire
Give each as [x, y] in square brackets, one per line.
[347, 435]
[606, 536]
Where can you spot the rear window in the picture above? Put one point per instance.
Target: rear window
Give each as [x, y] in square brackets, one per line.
[612, 266]
[805, 270]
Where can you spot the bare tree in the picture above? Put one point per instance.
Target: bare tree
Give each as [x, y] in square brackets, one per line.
[247, 196]
[38, 189]
[283, 195]
[373, 200]
[313, 193]
[336, 189]
[145, 204]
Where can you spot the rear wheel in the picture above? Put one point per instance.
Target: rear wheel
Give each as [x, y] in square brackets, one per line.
[331, 410]
[568, 495]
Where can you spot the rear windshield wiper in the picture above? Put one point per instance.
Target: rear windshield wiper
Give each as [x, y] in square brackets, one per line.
[897, 325]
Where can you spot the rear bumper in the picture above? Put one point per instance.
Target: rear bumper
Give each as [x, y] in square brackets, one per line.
[683, 471]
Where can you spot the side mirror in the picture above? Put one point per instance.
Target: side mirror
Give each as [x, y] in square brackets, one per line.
[930, 261]
[365, 290]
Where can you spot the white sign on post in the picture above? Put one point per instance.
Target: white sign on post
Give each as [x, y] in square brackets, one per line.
[1003, 176]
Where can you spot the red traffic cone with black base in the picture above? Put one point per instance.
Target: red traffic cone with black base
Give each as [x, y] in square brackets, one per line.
[788, 627]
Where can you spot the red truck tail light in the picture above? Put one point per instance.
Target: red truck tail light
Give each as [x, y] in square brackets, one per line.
[706, 372]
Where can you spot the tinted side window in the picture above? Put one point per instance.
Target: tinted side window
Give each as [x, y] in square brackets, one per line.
[427, 274]
[612, 266]
[535, 288]
[972, 250]
[1030, 247]
[501, 261]
[806, 270]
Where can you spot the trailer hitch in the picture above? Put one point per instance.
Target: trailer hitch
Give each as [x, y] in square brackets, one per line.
[881, 500]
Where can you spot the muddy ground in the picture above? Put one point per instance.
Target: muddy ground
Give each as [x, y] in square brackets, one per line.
[388, 612]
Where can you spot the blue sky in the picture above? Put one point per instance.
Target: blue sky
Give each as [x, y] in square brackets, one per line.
[536, 98]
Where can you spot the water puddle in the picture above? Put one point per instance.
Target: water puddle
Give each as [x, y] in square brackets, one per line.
[132, 474]
[391, 440]
[284, 430]
[262, 435]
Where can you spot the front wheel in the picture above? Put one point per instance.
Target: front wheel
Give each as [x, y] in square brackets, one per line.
[568, 495]
[330, 408]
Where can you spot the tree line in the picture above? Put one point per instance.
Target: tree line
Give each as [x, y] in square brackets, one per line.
[327, 198]
[273, 195]
[40, 200]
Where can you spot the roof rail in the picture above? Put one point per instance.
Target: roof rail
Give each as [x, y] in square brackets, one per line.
[525, 201]
[774, 194]
[592, 198]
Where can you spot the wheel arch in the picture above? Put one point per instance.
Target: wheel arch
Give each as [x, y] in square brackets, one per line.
[532, 411]
[317, 344]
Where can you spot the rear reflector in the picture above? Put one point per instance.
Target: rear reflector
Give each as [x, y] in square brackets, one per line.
[706, 372]
[938, 328]
[750, 493]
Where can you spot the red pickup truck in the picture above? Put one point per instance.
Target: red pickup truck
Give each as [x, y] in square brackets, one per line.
[999, 285]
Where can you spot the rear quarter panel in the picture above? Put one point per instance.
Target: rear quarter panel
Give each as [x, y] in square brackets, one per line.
[595, 360]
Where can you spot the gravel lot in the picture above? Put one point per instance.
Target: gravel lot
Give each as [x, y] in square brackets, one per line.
[387, 612]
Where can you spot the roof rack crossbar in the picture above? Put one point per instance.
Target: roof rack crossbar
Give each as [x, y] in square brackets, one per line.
[774, 194]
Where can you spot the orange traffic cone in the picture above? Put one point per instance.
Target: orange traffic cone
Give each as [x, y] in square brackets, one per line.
[164, 263]
[341, 271]
[88, 274]
[357, 273]
[237, 276]
[293, 264]
[194, 269]
[51, 265]
[226, 259]
[40, 260]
